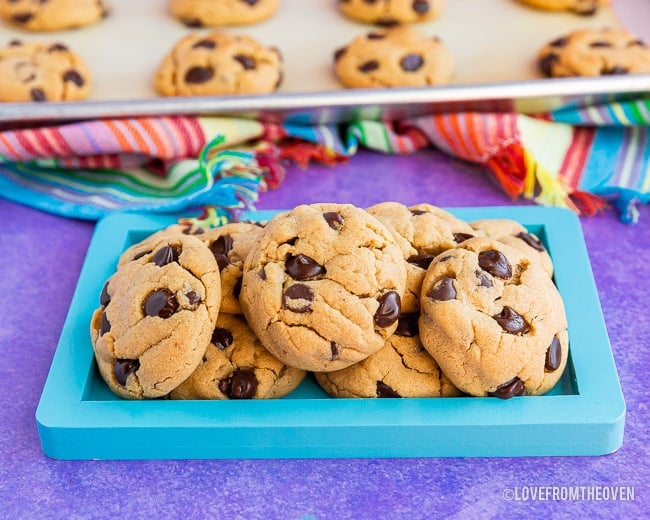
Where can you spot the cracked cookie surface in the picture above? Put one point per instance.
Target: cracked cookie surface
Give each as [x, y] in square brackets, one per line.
[391, 12]
[212, 13]
[156, 317]
[396, 57]
[322, 287]
[237, 366]
[493, 320]
[52, 15]
[35, 72]
[219, 63]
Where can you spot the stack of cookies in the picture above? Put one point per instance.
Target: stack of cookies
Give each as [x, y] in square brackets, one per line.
[388, 301]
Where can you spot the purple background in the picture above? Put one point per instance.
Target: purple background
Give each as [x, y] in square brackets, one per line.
[41, 258]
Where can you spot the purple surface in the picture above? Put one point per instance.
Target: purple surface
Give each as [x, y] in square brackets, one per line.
[42, 256]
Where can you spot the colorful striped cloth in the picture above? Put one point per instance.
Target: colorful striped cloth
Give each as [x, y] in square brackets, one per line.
[582, 158]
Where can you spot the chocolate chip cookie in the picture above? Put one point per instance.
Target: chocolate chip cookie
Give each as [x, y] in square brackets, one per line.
[219, 63]
[322, 287]
[395, 57]
[212, 13]
[52, 15]
[402, 368]
[391, 12]
[156, 317]
[593, 52]
[582, 7]
[42, 72]
[493, 320]
[422, 231]
[237, 366]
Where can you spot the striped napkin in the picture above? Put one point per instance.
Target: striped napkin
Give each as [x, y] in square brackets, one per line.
[582, 158]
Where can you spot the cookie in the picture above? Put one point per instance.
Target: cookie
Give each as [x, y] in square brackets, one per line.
[322, 287]
[422, 232]
[402, 368]
[493, 320]
[582, 7]
[219, 63]
[42, 72]
[237, 366]
[391, 12]
[213, 13]
[395, 57]
[52, 15]
[592, 52]
[515, 235]
[156, 317]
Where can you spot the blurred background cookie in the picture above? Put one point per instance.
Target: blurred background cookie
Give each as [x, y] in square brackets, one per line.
[583, 7]
[213, 13]
[52, 15]
[391, 12]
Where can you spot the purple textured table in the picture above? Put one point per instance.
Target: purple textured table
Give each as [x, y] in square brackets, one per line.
[41, 259]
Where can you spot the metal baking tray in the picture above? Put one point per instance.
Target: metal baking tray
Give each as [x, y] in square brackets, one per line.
[78, 417]
[494, 44]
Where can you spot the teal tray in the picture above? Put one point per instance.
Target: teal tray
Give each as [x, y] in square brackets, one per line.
[79, 418]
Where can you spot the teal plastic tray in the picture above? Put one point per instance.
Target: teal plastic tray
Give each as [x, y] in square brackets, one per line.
[79, 418]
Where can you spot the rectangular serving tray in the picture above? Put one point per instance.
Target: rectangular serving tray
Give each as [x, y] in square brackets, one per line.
[79, 418]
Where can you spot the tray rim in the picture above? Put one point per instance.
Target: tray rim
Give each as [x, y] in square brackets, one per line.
[588, 423]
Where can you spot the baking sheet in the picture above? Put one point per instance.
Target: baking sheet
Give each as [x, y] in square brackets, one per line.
[494, 44]
[79, 418]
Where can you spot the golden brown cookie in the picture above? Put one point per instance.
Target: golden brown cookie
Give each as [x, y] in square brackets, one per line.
[213, 13]
[592, 52]
[219, 63]
[237, 366]
[52, 15]
[42, 72]
[493, 320]
[582, 7]
[322, 287]
[396, 57]
[391, 12]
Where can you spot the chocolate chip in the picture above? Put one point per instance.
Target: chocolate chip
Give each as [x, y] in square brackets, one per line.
[461, 237]
[104, 297]
[204, 44]
[193, 298]
[298, 298]
[369, 66]
[241, 384]
[123, 368]
[22, 17]
[18, 43]
[600, 44]
[484, 280]
[105, 325]
[236, 289]
[411, 62]
[511, 321]
[250, 2]
[220, 249]
[443, 290]
[335, 350]
[247, 62]
[509, 389]
[338, 53]
[495, 263]
[545, 64]
[407, 326]
[553, 356]
[199, 75]
[263, 274]
[161, 303]
[422, 261]
[192, 22]
[420, 6]
[383, 390]
[333, 219]
[387, 22]
[445, 258]
[57, 47]
[37, 94]
[166, 255]
[633, 43]
[560, 42]
[586, 9]
[390, 305]
[222, 338]
[73, 77]
[615, 71]
[531, 240]
[417, 212]
[375, 36]
[302, 267]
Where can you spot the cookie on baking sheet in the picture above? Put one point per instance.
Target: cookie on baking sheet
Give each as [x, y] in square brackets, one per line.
[391, 12]
[513, 234]
[594, 52]
[493, 320]
[322, 287]
[52, 15]
[421, 231]
[583, 7]
[402, 368]
[396, 57]
[237, 366]
[213, 13]
[42, 72]
[219, 63]
[157, 315]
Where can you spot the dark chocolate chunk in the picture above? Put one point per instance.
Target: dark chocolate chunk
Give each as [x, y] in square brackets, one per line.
[333, 219]
[248, 62]
[236, 289]
[531, 240]
[560, 42]
[495, 263]
[443, 290]
[222, 338]
[160, 303]
[640, 43]
[199, 75]
[597, 44]
[422, 261]
[241, 384]
[56, 47]
[166, 255]
[37, 94]
[417, 212]
[298, 298]
[483, 279]
[387, 22]
[369, 66]
[390, 305]
[222, 245]
[383, 390]
[511, 321]
[407, 326]
[15, 43]
[124, 368]
[263, 274]
[338, 53]
[104, 297]
[509, 389]
[545, 64]
[192, 298]
[614, 71]
[73, 77]
[192, 22]
[553, 356]
[204, 44]
[22, 17]
[411, 62]
[375, 36]
[302, 267]
[420, 6]
[335, 349]
[105, 325]
[461, 237]
[250, 2]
